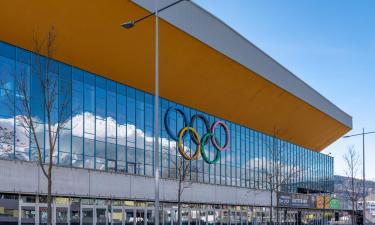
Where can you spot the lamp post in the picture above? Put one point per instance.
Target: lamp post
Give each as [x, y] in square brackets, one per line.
[363, 134]
[131, 24]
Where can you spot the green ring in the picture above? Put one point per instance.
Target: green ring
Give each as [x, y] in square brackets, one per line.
[204, 156]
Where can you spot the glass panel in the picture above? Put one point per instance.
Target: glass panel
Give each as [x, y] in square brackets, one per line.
[244, 220]
[87, 216]
[210, 217]
[101, 217]
[9, 209]
[233, 219]
[129, 216]
[61, 216]
[140, 217]
[27, 215]
[184, 217]
[168, 217]
[218, 217]
[203, 217]
[43, 215]
[75, 213]
[116, 216]
[150, 217]
[225, 219]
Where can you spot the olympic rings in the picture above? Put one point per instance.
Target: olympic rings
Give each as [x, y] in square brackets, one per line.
[181, 144]
[214, 142]
[166, 122]
[205, 157]
[200, 142]
[205, 122]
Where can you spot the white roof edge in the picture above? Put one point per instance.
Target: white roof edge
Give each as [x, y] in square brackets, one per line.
[197, 22]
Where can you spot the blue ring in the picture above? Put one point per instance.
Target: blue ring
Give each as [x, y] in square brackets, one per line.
[166, 121]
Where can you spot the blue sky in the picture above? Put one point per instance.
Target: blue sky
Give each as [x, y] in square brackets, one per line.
[328, 44]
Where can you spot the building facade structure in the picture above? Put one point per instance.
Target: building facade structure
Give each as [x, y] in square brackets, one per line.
[242, 111]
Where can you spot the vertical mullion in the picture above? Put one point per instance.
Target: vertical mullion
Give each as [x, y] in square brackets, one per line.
[144, 133]
[106, 129]
[58, 108]
[135, 132]
[116, 127]
[83, 119]
[71, 116]
[15, 103]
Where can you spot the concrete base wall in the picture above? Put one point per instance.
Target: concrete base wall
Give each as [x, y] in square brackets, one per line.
[27, 177]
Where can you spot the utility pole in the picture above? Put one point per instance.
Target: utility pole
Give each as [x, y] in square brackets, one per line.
[129, 25]
[363, 134]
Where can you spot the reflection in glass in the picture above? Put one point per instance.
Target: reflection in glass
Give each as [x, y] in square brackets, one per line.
[87, 216]
[61, 216]
[43, 215]
[9, 205]
[27, 215]
[129, 217]
[110, 127]
[101, 216]
[116, 216]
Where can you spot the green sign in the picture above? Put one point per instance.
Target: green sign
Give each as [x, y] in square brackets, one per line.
[334, 204]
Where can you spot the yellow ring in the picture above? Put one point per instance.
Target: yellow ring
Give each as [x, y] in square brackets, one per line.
[181, 146]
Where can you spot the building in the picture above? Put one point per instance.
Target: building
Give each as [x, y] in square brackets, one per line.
[104, 159]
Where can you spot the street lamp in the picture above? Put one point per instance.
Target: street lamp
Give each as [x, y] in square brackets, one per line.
[129, 25]
[363, 134]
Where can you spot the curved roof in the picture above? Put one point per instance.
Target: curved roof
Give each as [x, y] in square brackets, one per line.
[204, 63]
[209, 29]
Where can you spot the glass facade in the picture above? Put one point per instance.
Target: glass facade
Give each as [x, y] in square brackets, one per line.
[110, 127]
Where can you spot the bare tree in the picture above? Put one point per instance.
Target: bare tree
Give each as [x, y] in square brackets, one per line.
[353, 188]
[183, 170]
[276, 176]
[53, 103]
[6, 141]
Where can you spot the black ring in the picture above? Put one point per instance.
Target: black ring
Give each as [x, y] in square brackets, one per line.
[206, 124]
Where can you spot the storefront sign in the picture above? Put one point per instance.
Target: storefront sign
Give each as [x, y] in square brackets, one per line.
[296, 200]
[323, 201]
[335, 204]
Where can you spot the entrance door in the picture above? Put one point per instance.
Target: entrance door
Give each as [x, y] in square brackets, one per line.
[87, 215]
[116, 217]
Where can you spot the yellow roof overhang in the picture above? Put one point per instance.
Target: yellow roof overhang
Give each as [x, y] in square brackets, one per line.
[90, 37]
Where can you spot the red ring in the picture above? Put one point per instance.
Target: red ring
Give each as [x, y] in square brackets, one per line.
[226, 134]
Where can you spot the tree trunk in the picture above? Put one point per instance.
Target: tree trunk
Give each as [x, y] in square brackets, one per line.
[179, 203]
[277, 209]
[49, 197]
[353, 214]
[271, 207]
[179, 213]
